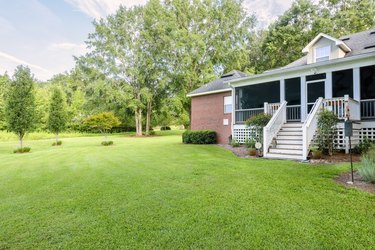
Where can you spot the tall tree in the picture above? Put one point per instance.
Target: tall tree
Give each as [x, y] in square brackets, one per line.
[205, 38]
[4, 84]
[116, 52]
[57, 116]
[20, 105]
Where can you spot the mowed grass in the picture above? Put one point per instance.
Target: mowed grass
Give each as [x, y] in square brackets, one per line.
[158, 193]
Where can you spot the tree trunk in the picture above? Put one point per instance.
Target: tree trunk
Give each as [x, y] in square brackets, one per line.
[57, 137]
[148, 117]
[21, 141]
[138, 121]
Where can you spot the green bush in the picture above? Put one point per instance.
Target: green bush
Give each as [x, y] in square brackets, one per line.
[234, 143]
[327, 131]
[363, 147]
[165, 128]
[367, 168]
[258, 122]
[107, 143]
[22, 150]
[59, 143]
[250, 143]
[199, 137]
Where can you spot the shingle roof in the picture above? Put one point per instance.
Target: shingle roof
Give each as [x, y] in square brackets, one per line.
[357, 42]
[218, 84]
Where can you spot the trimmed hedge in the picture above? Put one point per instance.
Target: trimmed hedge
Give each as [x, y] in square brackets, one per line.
[22, 150]
[199, 137]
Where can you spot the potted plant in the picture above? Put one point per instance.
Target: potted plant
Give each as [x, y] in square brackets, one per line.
[316, 152]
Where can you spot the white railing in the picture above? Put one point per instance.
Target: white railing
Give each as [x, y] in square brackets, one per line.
[368, 109]
[309, 127]
[293, 113]
[271, 108]
[344, 107]
[242, 115]
[273, 126]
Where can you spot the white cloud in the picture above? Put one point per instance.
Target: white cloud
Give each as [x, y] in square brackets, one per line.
[74, 47]
[267, 11]
[101, 8]
[9, 63]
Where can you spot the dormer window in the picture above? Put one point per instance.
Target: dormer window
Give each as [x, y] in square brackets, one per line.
[322, 53]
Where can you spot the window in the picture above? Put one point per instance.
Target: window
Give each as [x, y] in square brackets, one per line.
[227, 104]
[342, 83]
[322, 54]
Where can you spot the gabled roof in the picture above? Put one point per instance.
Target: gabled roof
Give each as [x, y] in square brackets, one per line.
[359, 43]
[338, 42]
[218, 85]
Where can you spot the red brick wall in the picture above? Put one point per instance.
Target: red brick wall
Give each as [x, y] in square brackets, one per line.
[207, 112]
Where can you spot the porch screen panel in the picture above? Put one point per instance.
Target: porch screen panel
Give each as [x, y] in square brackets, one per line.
[293, 91]
[368, 82]
[314, 91]
[254, 96]
[342, 83]
[367, 92]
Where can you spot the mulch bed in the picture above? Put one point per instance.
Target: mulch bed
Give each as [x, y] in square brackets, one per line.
[336, 158]
[241, 151]
[358, 182]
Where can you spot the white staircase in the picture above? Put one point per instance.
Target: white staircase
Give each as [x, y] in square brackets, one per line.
[289, 142]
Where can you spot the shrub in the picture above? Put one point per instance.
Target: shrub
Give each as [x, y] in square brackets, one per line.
[363, 147]
[165, 128]
[59, 143]
[367, 168]
[199, 137]
[107, 143]
[327, 131]
[250, 143]
[234, 143]
[22, 150]
[258, 122]
[316, 152]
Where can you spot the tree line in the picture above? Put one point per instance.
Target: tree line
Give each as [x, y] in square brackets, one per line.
[142, 61]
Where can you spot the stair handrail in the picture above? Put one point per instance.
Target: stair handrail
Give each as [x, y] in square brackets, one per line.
[274, 126]
[309, 127]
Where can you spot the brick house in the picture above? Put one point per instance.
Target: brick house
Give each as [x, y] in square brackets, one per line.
[211, 106]
[335, 74]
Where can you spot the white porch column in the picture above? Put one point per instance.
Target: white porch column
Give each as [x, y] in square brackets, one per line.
[303, 99]
[356, 84]
[282, 90]
[328, 86]
[233, 108]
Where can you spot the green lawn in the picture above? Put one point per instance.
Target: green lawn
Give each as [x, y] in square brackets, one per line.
[158, 193]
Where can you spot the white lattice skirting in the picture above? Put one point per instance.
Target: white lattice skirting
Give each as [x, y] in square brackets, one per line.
[360, 131]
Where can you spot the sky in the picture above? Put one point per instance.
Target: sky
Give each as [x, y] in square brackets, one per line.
[46, 34]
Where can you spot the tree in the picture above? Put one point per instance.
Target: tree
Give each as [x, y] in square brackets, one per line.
[20, 105]
[116, 52]
[102, 122]
[284, 40]
[4, 84]
[57, 116]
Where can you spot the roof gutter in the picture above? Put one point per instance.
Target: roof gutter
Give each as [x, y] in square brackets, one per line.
[304, 67]
[210, 92]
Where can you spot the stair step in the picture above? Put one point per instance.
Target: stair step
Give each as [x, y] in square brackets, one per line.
[285, 151]
[283, 156]
[291, 129]
[292, 125]
[289, 146]
[298, 133]
[289, 142]
[289, 137]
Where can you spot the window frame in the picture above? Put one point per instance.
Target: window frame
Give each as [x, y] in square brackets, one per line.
[325, 57]
[231, 104]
